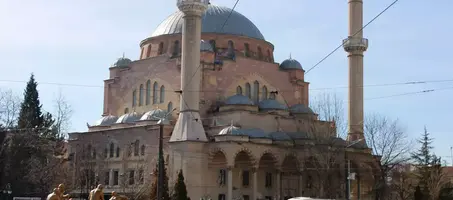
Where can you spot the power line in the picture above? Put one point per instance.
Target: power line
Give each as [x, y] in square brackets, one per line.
[360, 30]
[286, 90]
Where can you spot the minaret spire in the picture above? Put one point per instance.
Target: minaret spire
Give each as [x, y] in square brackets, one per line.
[355, 45]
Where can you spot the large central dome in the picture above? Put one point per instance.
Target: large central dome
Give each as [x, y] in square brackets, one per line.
[212, 22]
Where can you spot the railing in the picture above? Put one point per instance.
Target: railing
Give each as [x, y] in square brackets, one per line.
[190, 1]
[355, 42]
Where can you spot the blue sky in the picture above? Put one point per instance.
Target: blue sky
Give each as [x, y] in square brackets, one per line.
[74, 42]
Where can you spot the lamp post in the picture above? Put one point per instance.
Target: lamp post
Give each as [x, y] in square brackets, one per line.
[348, 170]
[160, 182]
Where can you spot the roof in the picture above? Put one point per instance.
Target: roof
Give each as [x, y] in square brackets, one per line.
[212, 22]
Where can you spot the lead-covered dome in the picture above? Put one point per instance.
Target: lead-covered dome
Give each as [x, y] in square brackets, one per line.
[122, 62]
[212, 22]
[290, 64]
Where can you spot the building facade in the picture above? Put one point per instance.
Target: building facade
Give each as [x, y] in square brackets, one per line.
[261, 140]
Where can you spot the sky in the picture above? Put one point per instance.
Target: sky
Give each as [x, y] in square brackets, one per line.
[73, 43]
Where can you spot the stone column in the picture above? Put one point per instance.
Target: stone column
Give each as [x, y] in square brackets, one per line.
[230, 183]
[110, 177]
[279, 185]
[301, 185]
[255, 184]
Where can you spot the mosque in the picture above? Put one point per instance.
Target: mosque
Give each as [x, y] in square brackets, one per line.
[240, 122]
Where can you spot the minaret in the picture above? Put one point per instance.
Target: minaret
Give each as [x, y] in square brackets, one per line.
[189, 126]
[355, 45]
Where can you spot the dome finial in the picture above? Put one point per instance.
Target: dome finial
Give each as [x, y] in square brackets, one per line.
[123, 55]
[290, 56]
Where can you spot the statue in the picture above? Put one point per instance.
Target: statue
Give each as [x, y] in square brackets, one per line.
[97, 193]
[114, 196]
[55, 195]
[61, 191]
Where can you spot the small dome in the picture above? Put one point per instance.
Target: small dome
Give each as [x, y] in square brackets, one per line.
[238, 100]
[230, 130]
[290, 64]
[122, 62]
[128, 118]
[106, 121]
[271, 104]
[301, 109]
[156, 114]
[205, 46]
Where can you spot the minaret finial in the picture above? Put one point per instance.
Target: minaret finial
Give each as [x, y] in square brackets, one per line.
[290, 56]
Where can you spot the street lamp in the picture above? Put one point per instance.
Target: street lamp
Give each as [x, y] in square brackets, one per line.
[160, 182]
[348, 170]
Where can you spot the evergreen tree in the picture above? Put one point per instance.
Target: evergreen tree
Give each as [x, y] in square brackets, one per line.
[180, 188]
[423, 159]
[30, 115]
[154, 186]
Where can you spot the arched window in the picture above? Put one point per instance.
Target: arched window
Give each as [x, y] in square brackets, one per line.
[248, 92]
[155, 91]
[112, 150]
[269, 55]
[140, 95]
[148, 92]
[117, 152]
[272, 95]
[213, 45]
[88, 153]
[134, 98]
[170, 107]
[142, 150]
[176, 48]
[126, 110]
[106, 152]
[162, 94]
[136, 147]
[148, 52]
[94, 153]
[260, 53]
[160, 50]
[246, 50]
[230, 48]
[239, 90]
[256, 91]
[264, 93]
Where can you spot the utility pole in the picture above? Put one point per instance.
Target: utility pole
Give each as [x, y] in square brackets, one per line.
[451, 155]
[160, 182]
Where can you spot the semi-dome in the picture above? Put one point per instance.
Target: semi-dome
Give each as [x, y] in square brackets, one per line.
[290, 64]
[212, 22]
[106, 121]
[238, 100]
[301, 109]
[205, 46]
[128, 118]
[156, 114]
[271, 104]
[122, 62]
[230, 130]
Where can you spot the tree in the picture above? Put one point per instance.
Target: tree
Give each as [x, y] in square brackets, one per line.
[30, 115]
[9, 108]
[330, 107]
[154, 186]
[180, 191]
[388, 139]
[63, 113]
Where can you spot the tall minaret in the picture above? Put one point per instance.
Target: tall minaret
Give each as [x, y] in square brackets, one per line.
[355, 45]
[189, 126]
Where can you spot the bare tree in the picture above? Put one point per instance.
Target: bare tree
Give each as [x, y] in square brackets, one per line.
[62, 114]
[388, 139]
[402, 183]
[9, 108]
[330, 107]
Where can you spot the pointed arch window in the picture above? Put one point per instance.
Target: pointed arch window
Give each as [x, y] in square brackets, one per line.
[170, 107]
[239, 90]
[246, 50]
[117, 152]
[134, 98]
[112, 150]
[230, 48]
[260, 53]
[272, 96]
[148, 52]
[142, 150]
[126, 110]
[264, 93]
[88, 153]
[148, 92]
[256, 91]
[140, 95]
[176, 48]
[160, 50]
[155, 91]
[248, 92]
[136, 147]
[162, 94]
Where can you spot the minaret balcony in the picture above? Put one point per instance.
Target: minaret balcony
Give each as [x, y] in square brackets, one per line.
[192, 1]
[355, 44]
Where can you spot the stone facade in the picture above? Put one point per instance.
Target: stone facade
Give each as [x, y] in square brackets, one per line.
[264, 142]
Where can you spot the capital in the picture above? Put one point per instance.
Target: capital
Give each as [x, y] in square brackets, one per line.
[193, 7]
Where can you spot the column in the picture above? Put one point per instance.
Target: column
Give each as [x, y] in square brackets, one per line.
[301, 184]
[255, 184]
[110, 177]
[279, 185]
[230, 183]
